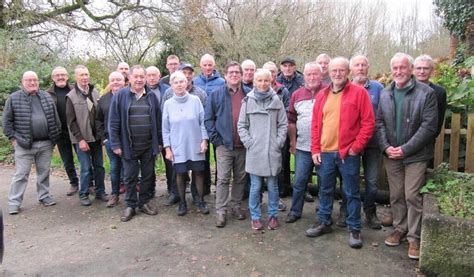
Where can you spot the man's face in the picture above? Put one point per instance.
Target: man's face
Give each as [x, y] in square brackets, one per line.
[152, 77]
[116, 82]
[123, 68]
[207, 66]
[82, 76]
[273, 70]
[189, 75]
[401, 71]
[233, 76]
[360, 69]
[312, 77]
[249, 71]
[262, 83]
[172, 65]
[338, 72]
[137, 80]
[324, 63]
[30, 82]
[288, 69]
[60, 77]
[422, 71]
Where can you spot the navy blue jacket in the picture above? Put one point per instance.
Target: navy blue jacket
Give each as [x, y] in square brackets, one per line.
[218, 117]
[292, 84]
[118, 127]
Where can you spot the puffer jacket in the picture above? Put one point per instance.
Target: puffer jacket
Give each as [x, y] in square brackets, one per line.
[262, 128]
[420, 122]
[17, 118]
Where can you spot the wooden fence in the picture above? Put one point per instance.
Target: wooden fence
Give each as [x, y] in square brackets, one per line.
[455, 134]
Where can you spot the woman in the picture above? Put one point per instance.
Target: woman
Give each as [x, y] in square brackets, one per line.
[262, 128]
[185, 139]
[116, 82]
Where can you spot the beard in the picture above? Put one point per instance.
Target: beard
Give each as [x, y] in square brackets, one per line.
[360, 78]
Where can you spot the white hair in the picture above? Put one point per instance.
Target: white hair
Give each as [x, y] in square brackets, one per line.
[248, 63]
[116, 73]
[351, 62]
[424, 58]
[323, 55]
[338, 60]
[401, 56]
[313, 65]
[262, 72]
[152, 68]
[207, 57]
[177, 75]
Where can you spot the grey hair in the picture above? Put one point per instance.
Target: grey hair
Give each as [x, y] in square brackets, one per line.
[58, 68]
[116, 73]
[424, 58]
[313, 65]
[80, 66]
[351, 62]
[400, 55]
[262, 72]
[208, 57]
[137, 67]
[323, 55]
[270, 63]
[339, 59]
[152, 68]
[248, 62]
[177, 75]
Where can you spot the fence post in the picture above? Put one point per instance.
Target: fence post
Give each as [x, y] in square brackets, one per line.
[454, 142]
[439, 147]
[469, 165]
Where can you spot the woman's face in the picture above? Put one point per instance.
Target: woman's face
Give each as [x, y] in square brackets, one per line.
[179, 86]
[262, 83]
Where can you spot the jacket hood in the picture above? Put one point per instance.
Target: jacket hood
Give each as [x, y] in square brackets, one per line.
[215, 75]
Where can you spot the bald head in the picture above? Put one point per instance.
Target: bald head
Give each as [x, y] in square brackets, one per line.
[123, 67]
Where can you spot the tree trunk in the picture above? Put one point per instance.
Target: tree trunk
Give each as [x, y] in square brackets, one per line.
[453, 44]
[469, 39]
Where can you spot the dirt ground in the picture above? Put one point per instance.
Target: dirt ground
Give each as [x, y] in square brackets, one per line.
[70, 240]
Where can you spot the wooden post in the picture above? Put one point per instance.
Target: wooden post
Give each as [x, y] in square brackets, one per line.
[469, 166]
[439, 148]
[454, 143]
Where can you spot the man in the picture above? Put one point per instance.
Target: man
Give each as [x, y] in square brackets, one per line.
[423, 68]
[300, 114]
[31, 123]
[248, 68]
[81, 108]
[342, 124]
[172, 64]
[135, 135]
[58, 92]
[188, 71]
[292, 80]
[280, 89]
[116, 82]
[323, 60]
[153, 82]
[406, 127]
[221, 116]
[209, 80]
[372, 157]
[123, 68]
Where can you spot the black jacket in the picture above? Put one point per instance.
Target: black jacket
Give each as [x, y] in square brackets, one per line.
[17, 118]
[420, 117]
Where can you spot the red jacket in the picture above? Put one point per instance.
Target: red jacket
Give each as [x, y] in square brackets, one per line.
[356, 124]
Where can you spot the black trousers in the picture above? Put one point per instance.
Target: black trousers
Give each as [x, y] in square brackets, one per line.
[143, 162]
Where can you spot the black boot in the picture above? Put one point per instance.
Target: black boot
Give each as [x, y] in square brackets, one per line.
[203, 207]
[183, 208]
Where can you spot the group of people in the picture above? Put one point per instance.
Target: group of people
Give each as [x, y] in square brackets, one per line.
[255, 119]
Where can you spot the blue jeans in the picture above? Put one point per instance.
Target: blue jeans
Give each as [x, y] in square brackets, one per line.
[254, 198]
[303, 168]
[86, 159]
[371, 161]
[349, 169]
[115, 168]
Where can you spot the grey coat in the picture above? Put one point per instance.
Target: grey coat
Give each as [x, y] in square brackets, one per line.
[262, 128]
[420, 117]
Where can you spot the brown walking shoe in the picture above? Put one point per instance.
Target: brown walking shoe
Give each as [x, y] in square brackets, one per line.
[273, 224]
[113, 201]
[72, 190]
[413, 250]
[395, 238]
